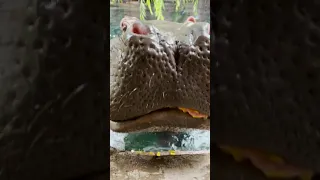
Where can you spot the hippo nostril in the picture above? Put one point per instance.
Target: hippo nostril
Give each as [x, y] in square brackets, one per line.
[138, 28]
[191, 19]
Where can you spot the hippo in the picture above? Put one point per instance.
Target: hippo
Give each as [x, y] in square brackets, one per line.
[160, 76]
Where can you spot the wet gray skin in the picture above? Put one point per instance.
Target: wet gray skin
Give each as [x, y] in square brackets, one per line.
[156, 67]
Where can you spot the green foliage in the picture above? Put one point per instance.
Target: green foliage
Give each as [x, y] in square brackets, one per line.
[148, 3]
[116, 1]
[195, 7]
[158, 7]
[142, 9]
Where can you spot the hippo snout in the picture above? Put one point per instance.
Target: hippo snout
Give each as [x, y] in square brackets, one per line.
[160, 75]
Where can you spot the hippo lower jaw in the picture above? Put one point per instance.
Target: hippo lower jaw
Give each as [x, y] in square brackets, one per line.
[161, 120]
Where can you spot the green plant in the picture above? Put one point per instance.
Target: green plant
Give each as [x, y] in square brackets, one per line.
[158, 7]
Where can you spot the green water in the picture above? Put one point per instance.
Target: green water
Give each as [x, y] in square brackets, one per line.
[192, 140]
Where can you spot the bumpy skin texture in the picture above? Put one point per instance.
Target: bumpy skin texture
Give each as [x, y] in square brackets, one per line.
[53, 89]
[266, 77]
[169, 67]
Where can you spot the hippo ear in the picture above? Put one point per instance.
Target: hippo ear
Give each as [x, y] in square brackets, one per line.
[139, 28]
[123, 25]
[126, 22]
[191, 19]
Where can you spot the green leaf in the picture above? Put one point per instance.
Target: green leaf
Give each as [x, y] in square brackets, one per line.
[148, 2]
[142, 10]
[177, 5]
[158, 7]
[195, 7]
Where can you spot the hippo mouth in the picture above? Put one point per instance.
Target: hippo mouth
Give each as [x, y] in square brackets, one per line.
[174, 119]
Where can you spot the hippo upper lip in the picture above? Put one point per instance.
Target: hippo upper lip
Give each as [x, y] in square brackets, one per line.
[166, 117]
[158, 110]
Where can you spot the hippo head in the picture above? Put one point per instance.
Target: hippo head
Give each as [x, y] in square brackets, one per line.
[160, 76]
